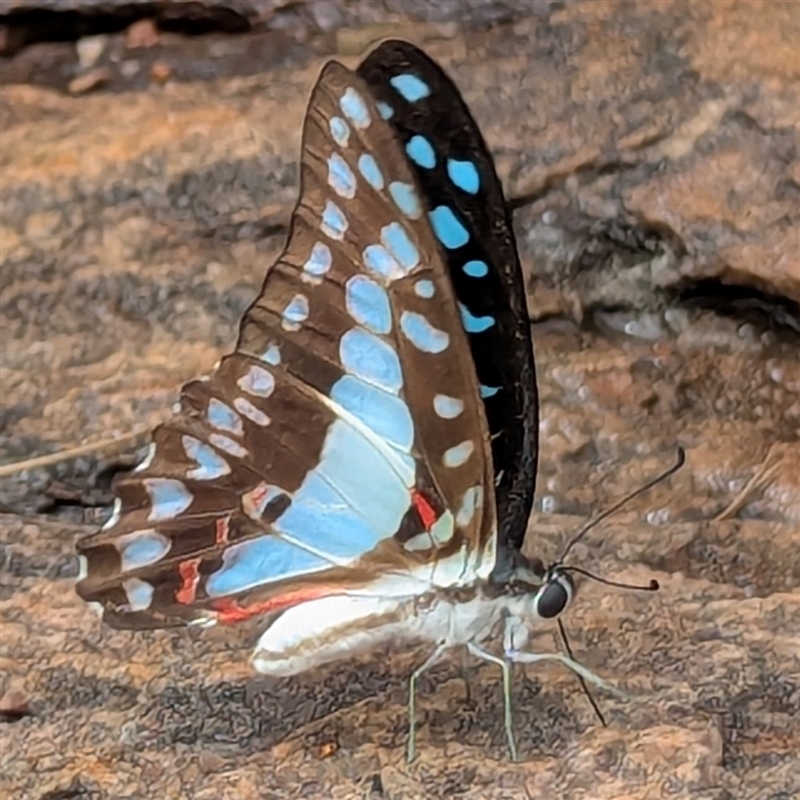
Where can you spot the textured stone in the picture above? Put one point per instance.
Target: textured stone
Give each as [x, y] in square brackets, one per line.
[713, 671]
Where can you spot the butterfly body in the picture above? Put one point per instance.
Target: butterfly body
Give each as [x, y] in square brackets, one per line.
[335, 627]
[359, 472]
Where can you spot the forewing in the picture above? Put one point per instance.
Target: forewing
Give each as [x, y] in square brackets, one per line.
[343, 439]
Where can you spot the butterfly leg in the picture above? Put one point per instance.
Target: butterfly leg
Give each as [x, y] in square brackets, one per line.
[411, 752]
[479, 652]
[521, 657]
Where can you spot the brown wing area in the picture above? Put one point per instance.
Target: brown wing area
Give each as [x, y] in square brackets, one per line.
[326, 450]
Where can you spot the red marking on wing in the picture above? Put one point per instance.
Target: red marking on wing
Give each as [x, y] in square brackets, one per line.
[189, 577]
[230, 611]
[426, 511]
[222, 530]
[253, 501]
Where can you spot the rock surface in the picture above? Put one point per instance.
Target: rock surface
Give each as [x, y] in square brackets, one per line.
[652, 154]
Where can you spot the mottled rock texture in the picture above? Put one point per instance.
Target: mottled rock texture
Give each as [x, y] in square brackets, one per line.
[651, 152]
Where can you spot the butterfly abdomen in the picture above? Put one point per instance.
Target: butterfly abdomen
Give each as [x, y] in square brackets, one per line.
[381, 614]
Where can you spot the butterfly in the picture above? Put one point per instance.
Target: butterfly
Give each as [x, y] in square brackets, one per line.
[360, 470]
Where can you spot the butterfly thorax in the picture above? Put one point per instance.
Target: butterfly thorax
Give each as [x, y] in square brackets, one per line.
[548, 589]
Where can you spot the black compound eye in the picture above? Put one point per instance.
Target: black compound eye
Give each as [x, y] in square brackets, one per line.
[554, 596]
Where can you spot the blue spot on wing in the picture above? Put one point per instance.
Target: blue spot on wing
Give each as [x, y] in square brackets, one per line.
[340, 131]
[334, 222]
[464, 174]
[169, 498]
[257, 381]
[340, 177]
[473, 324]
[272, 355]
[449, 231]
[447, 407]
[421, 152]
[476, 269]
[424, 288]
[320, 260]
[296, 310]
[368, 304]
[397, 242]
[458, 455]
[411, 87]
[422, 334]
[259, 561]
[354, 108]
[369, 168]
[378, 261]
[405, 198]
[371, 359]
[384, 413]
[144, 548]
[139, 592]
[223, 417]
[211, 464]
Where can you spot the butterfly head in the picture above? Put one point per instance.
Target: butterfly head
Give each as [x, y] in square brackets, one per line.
[555, 594]
[550, 590]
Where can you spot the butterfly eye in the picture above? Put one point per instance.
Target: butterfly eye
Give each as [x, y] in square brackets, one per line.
[555, 595]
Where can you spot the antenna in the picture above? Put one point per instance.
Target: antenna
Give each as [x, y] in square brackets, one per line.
[652, 586]
[628, 497]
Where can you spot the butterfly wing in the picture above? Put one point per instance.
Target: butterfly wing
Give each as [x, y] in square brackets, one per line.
[344, 438]
[456, 173]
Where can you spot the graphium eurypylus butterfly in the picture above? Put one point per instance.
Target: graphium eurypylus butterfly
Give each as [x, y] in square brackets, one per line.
[361, 469]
